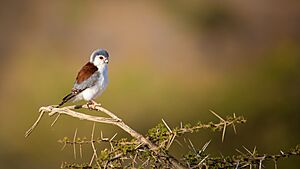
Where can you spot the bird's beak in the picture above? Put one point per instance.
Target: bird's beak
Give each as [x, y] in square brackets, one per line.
[106, 61]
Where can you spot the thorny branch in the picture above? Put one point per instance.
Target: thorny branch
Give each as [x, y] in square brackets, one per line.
[68, 110]
[162, 135]
[247, 159]
[152, 150]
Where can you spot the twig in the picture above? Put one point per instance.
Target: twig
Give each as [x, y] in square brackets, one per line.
[29, 131]
[221, 126]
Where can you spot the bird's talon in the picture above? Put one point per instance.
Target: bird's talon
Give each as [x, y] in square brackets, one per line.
[89, 105]
[92, 105]
[98, 105]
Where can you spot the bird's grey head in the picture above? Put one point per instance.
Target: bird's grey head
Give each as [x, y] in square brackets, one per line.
[99, 57]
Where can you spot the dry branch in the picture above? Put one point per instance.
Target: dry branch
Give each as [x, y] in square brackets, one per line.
[157, 142]
[113, 119]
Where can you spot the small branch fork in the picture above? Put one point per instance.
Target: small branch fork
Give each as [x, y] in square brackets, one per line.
[112, 119]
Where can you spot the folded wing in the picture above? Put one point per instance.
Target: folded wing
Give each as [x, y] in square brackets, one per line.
[86, 77]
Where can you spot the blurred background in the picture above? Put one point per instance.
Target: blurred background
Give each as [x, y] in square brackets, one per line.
[168, 59]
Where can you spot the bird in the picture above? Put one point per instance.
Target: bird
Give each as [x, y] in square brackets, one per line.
[91, 80]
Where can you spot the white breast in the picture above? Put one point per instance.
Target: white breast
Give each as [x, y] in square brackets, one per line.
[96, 90]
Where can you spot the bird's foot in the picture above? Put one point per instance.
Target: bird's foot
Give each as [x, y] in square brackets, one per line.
[92, 105]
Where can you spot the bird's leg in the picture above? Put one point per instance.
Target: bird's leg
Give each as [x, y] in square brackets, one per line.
[92, 104]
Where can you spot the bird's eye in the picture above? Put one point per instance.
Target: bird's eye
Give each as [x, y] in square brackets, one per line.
[101, 57]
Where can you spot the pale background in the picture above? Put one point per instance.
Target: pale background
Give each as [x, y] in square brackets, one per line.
[173, 60]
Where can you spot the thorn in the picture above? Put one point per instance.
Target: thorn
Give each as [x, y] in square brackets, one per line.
[133, 160]
[93, 130]
[138, 146]
[63, 147]
[192, 146]
[74, 143]
[184, 139]
[80, 150]
[240, 152]
[217, 115]
[166, 125]
[93, 146]
[171, 141]
[52, 124]
[254, 151]
[237, 165]
[248, 150]
[234, 129]
[203, 160]
[244, 166]
[221, 154]
[62, 165]
[260, 162]
[205, 146]
[92, 159]
[200, 163]
[113, 137]
[178, 142]
[224, 130]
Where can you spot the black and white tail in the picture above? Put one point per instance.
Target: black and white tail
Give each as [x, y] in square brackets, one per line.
[67, 98]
